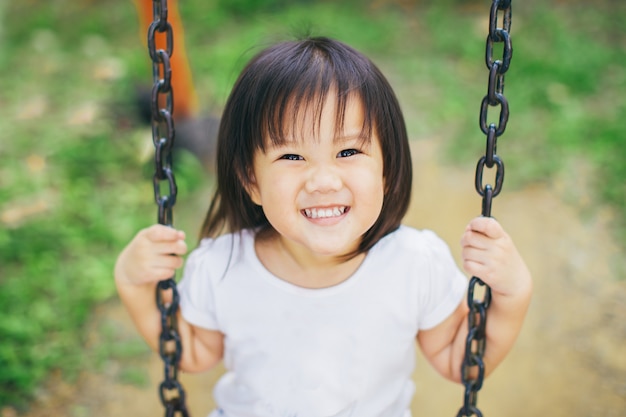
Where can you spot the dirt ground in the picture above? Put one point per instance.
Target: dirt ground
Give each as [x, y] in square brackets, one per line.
[570, 359]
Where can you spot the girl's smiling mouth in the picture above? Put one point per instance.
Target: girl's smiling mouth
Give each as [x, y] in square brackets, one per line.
[324, 212]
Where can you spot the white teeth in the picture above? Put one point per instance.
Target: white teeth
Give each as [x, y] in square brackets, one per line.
[324, 213]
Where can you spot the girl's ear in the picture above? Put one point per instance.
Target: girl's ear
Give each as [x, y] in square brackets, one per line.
[252, 188]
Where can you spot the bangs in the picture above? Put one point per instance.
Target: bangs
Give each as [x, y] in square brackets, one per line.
[298, 90]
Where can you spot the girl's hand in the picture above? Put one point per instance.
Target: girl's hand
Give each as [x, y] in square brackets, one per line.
[153, 255]
[489, 254]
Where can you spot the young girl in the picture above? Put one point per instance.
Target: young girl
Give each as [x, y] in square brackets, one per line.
[305, 284]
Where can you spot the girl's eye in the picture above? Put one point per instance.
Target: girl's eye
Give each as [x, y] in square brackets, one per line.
[347, 152]
[292, 157]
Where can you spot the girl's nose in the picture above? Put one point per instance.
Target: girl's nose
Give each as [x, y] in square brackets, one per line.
[323, 179]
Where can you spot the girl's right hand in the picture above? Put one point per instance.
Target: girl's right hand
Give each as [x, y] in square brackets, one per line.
[153, 255]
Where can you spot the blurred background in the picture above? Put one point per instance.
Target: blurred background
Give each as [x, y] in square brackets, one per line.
[76, 183]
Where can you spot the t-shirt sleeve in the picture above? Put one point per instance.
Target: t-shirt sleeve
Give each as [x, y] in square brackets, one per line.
[197, 292]
[445, 286]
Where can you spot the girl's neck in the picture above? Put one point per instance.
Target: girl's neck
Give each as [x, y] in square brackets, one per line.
[301, 267]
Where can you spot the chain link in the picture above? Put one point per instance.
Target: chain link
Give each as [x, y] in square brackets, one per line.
[171, 392]
[473, 367]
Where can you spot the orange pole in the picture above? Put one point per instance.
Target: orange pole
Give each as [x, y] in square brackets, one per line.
[185, 98]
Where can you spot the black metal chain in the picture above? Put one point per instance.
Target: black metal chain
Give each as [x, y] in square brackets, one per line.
[171, 391]
[473, 367]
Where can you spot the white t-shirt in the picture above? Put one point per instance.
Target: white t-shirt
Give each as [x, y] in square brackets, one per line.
[345, 350]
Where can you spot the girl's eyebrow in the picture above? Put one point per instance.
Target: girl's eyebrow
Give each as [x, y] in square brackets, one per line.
[351, 137]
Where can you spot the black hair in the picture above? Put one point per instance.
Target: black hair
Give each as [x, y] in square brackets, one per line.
[278, 83]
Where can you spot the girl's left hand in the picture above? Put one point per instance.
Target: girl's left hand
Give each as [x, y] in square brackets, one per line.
[489, 253]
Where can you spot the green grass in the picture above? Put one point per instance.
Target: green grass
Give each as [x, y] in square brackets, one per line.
[77, 187]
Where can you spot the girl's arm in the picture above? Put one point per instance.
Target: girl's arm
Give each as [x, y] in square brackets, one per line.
[488, 253]
[153, 255]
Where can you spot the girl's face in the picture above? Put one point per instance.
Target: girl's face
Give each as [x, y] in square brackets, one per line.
[323, 191]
